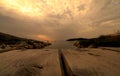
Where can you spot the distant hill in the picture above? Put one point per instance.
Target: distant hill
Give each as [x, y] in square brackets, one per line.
[10, 40]
[76, 39]
[112, 40]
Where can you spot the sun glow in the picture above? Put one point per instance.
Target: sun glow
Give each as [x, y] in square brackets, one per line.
[26, 7]
[40, 8]
[44, 37]
[30, 11]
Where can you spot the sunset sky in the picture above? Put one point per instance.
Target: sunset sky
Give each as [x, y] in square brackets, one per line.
[59, 19]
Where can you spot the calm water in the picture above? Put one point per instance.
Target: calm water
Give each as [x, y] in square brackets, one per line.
[61, 44]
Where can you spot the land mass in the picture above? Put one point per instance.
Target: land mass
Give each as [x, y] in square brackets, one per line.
[10, 41]
[112, 40]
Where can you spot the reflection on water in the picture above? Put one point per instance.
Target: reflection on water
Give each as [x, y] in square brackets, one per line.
[61, 44]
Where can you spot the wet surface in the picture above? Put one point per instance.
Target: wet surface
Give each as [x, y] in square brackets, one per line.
[61, 44]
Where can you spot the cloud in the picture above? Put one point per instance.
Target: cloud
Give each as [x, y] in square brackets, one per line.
[59, 19]
[81, 7]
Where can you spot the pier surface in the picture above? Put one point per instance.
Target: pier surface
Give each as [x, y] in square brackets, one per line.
[61, 62]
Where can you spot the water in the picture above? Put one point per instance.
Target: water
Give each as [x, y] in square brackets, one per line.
[61, 44]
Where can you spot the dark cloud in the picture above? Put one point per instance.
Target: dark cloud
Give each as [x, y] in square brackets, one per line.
[58, 16]
[68, 13]
[81, 7]
[19, 27]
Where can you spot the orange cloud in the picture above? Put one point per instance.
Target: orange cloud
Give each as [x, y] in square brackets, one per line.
[44, 37]
[40, 8]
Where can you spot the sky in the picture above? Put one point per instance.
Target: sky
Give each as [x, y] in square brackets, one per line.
[59, 19]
